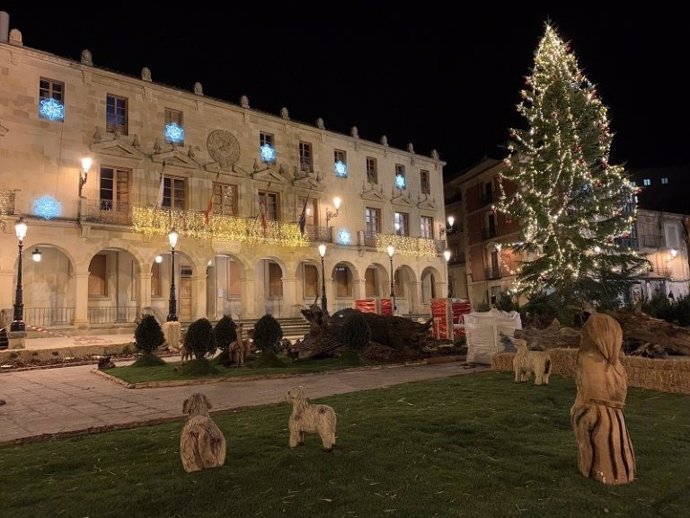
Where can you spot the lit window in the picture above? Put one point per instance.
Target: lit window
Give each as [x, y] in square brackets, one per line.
[427, 227]
[646, 181]
[267, 150]
[51, 102]
[664, 180]
[400, 179]
[402, 224]
[340, 163]
[174, 127]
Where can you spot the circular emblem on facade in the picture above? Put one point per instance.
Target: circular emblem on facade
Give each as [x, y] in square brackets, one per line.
[223, 147]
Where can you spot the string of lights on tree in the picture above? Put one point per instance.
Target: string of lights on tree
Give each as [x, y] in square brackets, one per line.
[572, 204]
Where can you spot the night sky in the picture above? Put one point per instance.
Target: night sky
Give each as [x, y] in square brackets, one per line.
[423, 75]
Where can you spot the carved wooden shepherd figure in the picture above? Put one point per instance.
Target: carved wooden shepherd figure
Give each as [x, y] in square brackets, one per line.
[605, 452]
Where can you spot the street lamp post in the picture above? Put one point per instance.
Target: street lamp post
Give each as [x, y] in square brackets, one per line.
[17, 324]
[172, 304]
[324, 301]
[83, 176]
[330, 214]
[446, 256]
[391, 251]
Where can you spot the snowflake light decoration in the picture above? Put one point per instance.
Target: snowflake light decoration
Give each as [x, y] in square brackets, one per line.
[174, 133]
[344, 237]
[400, 181]
[340, 168]
[51, 109]
[268, 153]
[47, 207]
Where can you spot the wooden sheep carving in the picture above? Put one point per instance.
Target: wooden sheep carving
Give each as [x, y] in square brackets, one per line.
[526, 362]
[308, 418]
[202, 444]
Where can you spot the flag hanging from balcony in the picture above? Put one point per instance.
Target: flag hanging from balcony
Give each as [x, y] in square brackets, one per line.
[209, 205]
[303, 215]
[159, 199]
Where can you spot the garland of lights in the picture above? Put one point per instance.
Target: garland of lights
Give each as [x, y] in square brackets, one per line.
[150, 222]
[405, 245]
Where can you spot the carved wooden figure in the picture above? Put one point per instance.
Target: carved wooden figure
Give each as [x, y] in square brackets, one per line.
[604, 449]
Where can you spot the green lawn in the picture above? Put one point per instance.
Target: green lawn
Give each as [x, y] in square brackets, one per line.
[476, 445]
[172, 372]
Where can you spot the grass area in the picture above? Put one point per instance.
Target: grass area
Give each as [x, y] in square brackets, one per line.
[476, 445]
[171, 371]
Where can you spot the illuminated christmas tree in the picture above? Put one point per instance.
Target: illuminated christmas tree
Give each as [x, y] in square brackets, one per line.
[572, 205]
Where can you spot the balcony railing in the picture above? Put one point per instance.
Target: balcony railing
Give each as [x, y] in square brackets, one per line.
[112, 314]
[492, 273]
[318, 234]
[652, 241]
[405, 245]
[107, 212]
[46, 317]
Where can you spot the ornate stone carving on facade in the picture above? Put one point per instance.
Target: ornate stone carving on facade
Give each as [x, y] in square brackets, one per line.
[191, 153]
[410, 148]
[223, 147]
[157, 146]
[198, 88]
[384, 140]
[86, 57]
[244, 101]
[146, 74]
[434, 154]
[320, 124]
[136, 142]
[284, 113]
[354, 132]
[16, 38]
[97, 136]
[3, 130]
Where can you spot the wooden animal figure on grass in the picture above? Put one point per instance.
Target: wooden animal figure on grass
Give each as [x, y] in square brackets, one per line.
[240, 348]
[308, 418]
[526, 362]
[604, 449]
[202, 444]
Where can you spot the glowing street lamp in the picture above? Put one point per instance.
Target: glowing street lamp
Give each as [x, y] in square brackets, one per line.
[172, 303]
[330, 214]
[391, 251]
[20, 229]
[324, 301]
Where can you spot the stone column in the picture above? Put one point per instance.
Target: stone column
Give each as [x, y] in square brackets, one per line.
[251, 299]
[81, 314]
[199, 296]
[144, 298]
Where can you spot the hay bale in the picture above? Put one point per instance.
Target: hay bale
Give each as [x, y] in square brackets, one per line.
[663, 375]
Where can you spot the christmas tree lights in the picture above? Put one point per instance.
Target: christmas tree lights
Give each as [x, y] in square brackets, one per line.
[572, 204]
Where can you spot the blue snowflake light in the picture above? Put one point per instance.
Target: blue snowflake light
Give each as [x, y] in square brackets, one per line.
[340, 168]
[400, 181]
[51, 109]
[344, 237]
[47, 207]
[268, 153]
[174, 133]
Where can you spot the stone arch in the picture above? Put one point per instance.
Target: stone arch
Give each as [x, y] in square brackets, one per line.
[406, 289]
[431, 285]
[345, 285]
[226, 274]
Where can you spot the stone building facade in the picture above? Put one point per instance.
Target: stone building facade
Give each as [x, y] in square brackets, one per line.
[231, 180]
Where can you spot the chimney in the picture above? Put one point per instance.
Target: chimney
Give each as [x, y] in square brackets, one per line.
[4, 27]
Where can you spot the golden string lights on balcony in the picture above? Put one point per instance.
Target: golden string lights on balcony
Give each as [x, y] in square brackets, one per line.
[406, 245]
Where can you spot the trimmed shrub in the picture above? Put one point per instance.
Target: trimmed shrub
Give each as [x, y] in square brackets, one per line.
[225, 332]
[148, 335]
[267, 334]
[356, 333]
[200, 338]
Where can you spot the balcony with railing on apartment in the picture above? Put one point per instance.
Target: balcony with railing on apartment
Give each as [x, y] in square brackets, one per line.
[405, 245]
[652, 240]
[493, 272]
[106, 212]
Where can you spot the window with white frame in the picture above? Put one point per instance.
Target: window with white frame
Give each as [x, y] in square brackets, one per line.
[267, 150]
[306, 160]
[173, 193]
[425, 181]
[427, 227]
[51, 100]
[340, 163]
[174, 127]
[372, 170]
[372, 220]
[400, 177]
[402, 223]
[116, 114]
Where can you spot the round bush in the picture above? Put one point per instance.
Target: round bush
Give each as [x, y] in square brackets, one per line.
[267, 333]
[200, 338]
[148, 335]
[226, 332]
[356, 333]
